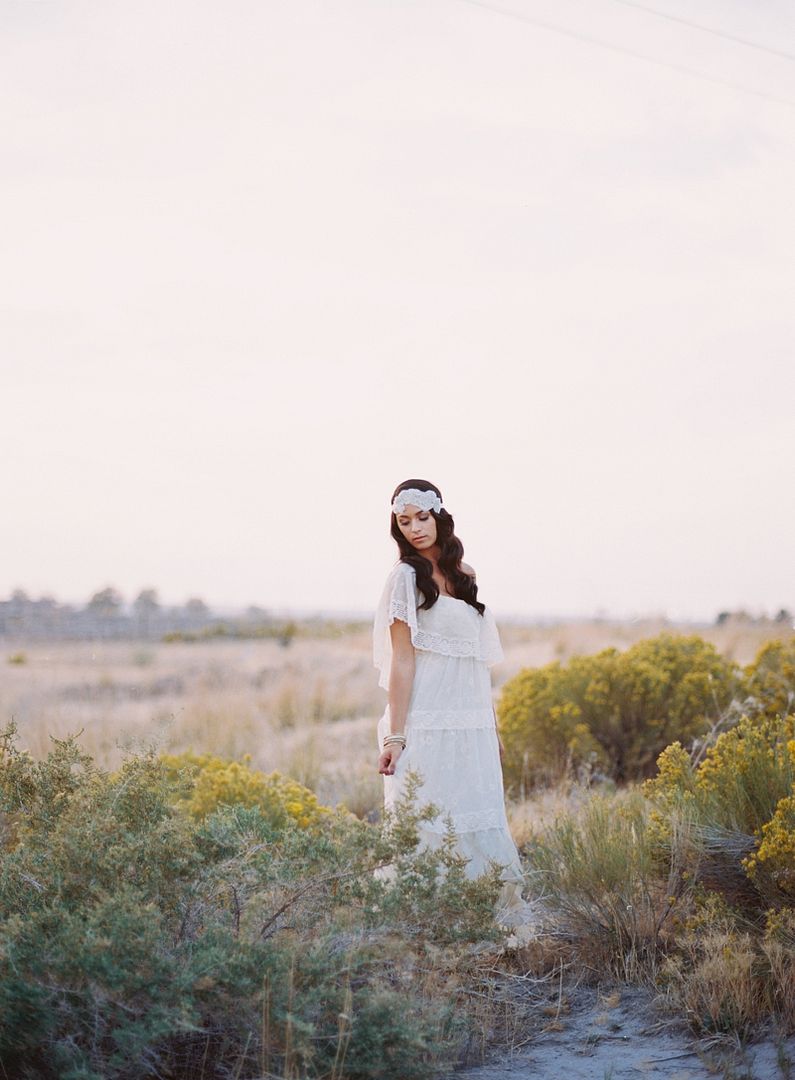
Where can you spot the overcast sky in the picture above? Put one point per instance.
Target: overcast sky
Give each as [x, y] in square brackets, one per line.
[262, 261]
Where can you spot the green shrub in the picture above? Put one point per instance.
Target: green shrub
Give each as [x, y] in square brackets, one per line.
[138, 939]
[613, 711]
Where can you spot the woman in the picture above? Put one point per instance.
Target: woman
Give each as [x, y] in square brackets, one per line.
[433, 642]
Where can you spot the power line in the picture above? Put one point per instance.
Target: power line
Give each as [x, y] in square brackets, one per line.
[707, 29]
[588, 39]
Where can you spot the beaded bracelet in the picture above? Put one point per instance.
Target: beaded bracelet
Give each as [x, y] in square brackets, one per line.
[395, 738]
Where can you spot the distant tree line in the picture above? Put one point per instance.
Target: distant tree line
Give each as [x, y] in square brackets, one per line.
[105, 616]
[783, 617]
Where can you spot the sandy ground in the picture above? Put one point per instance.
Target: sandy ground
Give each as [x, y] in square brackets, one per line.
[618, 1035]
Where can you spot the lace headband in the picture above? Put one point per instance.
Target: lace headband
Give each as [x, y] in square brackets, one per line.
[424, 500]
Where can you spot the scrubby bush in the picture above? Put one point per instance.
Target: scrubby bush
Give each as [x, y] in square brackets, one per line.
[741, 778]
[612, 888]
[143, 937]
[713, 980]
[770, 679]
[773, 862]
[728, 977]
[739, 799]
[210, 781]
[691, 878]
[615, 711]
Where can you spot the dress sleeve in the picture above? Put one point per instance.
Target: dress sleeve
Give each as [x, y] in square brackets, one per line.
[398, 601]
[490, 644]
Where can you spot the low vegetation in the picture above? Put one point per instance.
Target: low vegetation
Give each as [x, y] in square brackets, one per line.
[190, 915]
[611, 714]
[687, 882]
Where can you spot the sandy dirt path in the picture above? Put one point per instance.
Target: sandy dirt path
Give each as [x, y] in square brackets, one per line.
[618, 1036]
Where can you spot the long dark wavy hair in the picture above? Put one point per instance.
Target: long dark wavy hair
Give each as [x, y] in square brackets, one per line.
[451, 551]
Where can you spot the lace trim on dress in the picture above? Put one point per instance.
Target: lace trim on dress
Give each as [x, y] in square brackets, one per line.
[398, 610]
[430, 642]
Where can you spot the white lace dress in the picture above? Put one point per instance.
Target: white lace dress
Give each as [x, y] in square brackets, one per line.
[450, 728]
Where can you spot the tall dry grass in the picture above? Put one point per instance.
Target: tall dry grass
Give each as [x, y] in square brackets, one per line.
[610, 889]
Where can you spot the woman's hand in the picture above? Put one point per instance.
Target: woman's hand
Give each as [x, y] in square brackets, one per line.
[389, 759]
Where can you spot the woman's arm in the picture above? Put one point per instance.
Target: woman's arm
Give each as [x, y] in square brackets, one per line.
[401, 681]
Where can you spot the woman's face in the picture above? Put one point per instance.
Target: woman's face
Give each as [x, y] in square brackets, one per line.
[418, 526]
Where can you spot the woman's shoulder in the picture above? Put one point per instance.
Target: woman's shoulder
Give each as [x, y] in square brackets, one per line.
[401, 567]
[468, 569]
[401, 570]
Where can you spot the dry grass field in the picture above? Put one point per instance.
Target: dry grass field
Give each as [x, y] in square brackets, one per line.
[308, 709]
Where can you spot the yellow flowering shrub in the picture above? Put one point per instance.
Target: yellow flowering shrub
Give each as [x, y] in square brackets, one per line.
[209, 782]
[672, 792]
[780, 927]
[748, 770]
[741, 799]
[537, 724]
[741, 779]
[615, 711]
[771, 677]
[774, 859]
[675, 777]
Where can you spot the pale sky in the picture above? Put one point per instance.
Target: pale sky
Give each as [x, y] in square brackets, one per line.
[262, 261]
